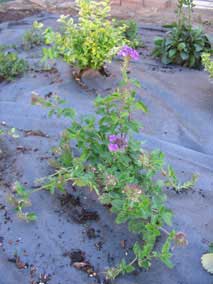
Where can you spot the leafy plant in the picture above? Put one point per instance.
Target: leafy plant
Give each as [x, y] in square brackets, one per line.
[130, 32]
[11, 132]
[11, 66]
[208, 63]
[89, 43]
[21, 201]
[35, 36]
[183, 44]
[108, 159]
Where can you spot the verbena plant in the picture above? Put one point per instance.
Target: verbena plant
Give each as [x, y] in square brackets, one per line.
[11, 66]
[183, 44]
[89, 43]
[106, 157]
[35, 36]
[208, 63]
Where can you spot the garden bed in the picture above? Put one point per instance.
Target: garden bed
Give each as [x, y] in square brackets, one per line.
[179, 122]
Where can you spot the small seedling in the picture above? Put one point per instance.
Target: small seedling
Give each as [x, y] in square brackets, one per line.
[131, 33]
[20, 200]
[173, 182]
[34, 37]
[11, 66]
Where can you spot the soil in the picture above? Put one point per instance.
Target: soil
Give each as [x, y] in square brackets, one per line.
[74, 239]
[14, 15]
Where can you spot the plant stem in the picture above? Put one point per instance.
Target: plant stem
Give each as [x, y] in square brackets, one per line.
[164, 231]
[133, 261]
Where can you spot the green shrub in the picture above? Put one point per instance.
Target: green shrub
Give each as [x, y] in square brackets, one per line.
[111, 162]
[208, 63]
[130, 33]
[183, 44]
[11, 66]
[34, 37]
[90, 42]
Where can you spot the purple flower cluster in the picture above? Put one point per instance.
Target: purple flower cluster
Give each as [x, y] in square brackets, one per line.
[117, 143]
[127, 51]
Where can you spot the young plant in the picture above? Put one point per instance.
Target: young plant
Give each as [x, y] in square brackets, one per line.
[130, 33]
[11, 66]
[208, 63]
[34, 37]
[108, 159]
[183, 44]
[20, 200]
[89, 43]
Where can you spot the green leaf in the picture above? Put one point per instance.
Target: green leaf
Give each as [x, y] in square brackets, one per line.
[167, 217]
[136, 83]
[20, 190]
[181, 46]
[141, 106]
[198, 47]
[192, 61]
[211, 247]
[122, 217]
[172, 53]
[184, 55]
[167, 262]
[31, 216]
[158, 41]
[165, 60]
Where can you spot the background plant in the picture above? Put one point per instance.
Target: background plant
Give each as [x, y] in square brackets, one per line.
[11, 65]
[183, 44]
[89, 43]
[208, 63]
[35, 36]
[131, 33]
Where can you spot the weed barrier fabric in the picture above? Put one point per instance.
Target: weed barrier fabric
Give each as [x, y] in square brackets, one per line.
[179, 122]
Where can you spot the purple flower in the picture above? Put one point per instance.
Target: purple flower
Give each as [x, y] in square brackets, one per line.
[112, 138]
[117, 143]
[127, 51]
[113, 147]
